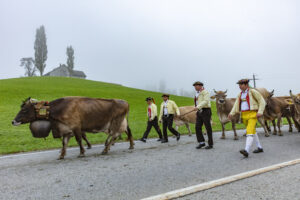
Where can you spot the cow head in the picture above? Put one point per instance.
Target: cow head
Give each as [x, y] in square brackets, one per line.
[270, 95]
[26, 114]
[296, 100]
[220, 96]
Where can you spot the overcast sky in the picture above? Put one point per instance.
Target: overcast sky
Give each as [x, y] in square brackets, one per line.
[139, 43]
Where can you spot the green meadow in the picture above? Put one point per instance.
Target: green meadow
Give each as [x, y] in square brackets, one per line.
[14, 91]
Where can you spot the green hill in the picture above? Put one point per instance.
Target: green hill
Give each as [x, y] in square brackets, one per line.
[13, 91]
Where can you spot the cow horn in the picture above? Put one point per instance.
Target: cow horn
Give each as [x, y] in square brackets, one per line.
[33, 100]
[291, 94]
[215, 91]
[225, 91]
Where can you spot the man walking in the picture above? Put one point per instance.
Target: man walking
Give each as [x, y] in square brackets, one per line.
[152, 120]
[203, 108]
[252, 105]
[167, 110]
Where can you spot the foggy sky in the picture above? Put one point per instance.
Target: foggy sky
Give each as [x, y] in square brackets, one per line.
[139, 43]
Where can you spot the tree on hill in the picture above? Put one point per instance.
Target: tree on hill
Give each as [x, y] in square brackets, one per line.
[28, 64]
[41, 51]
[70, 57]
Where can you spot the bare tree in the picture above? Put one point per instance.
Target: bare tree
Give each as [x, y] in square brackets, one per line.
[28, 64]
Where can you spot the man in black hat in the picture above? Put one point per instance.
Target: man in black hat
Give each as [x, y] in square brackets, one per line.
[167, 110]
[203, 108]
[152, 120]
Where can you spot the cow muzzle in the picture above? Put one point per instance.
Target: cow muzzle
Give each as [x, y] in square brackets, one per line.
[15, 123]
[221, 101]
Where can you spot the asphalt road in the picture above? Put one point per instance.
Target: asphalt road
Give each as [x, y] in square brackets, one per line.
[152, 168]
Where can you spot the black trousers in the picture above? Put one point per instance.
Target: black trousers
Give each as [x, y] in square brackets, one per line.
[204, 118]
[153, 123]
[167, 123]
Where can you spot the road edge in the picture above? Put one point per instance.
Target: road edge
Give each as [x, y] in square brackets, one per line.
[215, 183]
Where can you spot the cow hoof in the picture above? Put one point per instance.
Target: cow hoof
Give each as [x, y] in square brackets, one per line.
[222, 137]
[131, 147]
[80, 156]
[60, 158]
[236, 138]
[104, 153]
[245, 135]
[274, 133]
[89, 147]
[280, 134]
[190, 135]
[291, 130]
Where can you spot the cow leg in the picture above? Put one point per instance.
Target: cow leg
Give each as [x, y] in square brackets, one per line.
[290, 124]
[188, 128]
[78, 137]
[223, 131]
[130, 138]
[262, 123]
[107, 147]
[65, 142]
[86, 140]
[297, 125]
[234, 131]
[267, 126]
[278, 125]
[274, 125]
[106, 141]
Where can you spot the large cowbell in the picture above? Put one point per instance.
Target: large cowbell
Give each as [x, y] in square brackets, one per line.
[40, 128]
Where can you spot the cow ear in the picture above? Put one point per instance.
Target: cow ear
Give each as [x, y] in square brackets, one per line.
[213, 97]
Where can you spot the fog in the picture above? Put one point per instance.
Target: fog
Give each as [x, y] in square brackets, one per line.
[160, 44]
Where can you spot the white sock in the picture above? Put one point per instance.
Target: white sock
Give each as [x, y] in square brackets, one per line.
[249, 142]
[257, 141]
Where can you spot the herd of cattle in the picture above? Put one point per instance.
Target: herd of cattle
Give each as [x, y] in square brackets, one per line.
[74, 116]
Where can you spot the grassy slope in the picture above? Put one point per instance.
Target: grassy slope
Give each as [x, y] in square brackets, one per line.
[13, 91]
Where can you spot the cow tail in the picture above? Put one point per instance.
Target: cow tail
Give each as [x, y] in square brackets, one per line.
[129, 134]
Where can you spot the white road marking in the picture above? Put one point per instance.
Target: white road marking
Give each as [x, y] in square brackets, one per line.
[215, 183]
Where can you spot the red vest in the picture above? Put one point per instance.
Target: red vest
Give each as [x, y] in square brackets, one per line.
[247, 98]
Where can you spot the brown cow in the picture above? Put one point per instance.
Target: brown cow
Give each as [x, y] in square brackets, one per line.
[187, 116]
[74, 115]
[296, 101]
[276, 108]
[296, 105]
[224, 106]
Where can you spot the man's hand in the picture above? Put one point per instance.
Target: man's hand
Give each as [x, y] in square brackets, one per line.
[196, 109]
[258, 115]
[229, 116]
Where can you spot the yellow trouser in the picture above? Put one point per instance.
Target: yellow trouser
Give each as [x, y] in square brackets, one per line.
[249, 119]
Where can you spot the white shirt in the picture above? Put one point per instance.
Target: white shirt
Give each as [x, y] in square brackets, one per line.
[165, 108]
[196, 96]
[244, 103]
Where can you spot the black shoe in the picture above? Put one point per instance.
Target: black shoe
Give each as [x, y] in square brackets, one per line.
[200, 146]
[159, 140]
[244, 152]
[178, 137]
[143, 140]
[258, 150]
[209, 147]
[164, 141]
